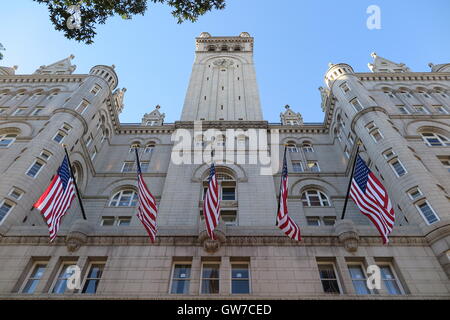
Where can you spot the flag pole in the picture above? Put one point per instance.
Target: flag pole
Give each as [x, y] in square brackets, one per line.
[75, 183]
[137, 160]
[350, 182]
[279, 193]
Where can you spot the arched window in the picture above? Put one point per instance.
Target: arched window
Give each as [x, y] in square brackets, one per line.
[292, 147]
[224, 48]
[433, 139]
[7, 139]
[227, 185]
[211, 48]
[124, 198]
[307, 147]
[149, 147]
[315, 198]
[134, 146]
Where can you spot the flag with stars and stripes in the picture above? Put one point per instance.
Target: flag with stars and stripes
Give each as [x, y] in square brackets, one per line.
[284, 222]
[147, 210]
[211, 203]
[372, 199]
[57, 198]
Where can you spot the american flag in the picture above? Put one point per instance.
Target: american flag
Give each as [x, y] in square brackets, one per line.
[147, 210]
[284, 222]
[372, 199]
[211, 203]
[56, 199]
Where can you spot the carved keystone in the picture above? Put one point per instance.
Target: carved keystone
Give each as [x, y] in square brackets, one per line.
[77, 235]
[210, 245]
[348, 236]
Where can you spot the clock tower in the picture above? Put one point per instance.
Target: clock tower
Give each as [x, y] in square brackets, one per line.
[223, 81]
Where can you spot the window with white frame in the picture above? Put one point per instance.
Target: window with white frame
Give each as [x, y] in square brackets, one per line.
[108, 221]
[402, 109]
[95, 89]
[370, 126]
[128, 166]
[123, 221]
[37, 111]
[181, 278]
[397, 167]
[149, 148]
[389, 153]
[415, 193]
[315, 198]
[5, 207]
[418, 108]
[359, 278]
[144, 166]
[229, 217]
[445, 160]
[389, 94]
[81, 108]
[390, 280]
[347, 154]
[344, 87]
[35, 276]
[134, 146]
[64, 274]
[59, 136]
[427, 212]
[376, 135]
[328, 277]
[33, 171]
[291, 147]
[297, 166]
[7, 139]
[20, 112]
[94, 153]
[89, 140]
[313, 221]
[124, 198]
[240, 278]
[93, 277]
[210, 278]
[440, 109]
[16, 193]
[433, 139]
[45, 154]
[356, 104]
[307, 147]
[313, 166]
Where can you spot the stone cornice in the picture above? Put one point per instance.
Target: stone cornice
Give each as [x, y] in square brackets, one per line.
[230, 241]
[403, 76]
[46, 78]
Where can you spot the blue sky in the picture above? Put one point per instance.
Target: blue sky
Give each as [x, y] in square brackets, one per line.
[294, 41]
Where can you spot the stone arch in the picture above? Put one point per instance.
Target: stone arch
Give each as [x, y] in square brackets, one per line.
[117, 185]
[227, 56]
[413, 127]
[313, 183]
[22, 128]
[80, 161]
[235, 169]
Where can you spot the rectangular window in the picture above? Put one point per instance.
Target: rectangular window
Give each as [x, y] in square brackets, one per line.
[59, 137]
[240, 278]
[389, 280]
[5, 208]
[95, 89]
[415, 193]
[420, 109]
[45, 154]
[329, 221]
[20, 112]
[128, 166]
[228, 193]
[94, 153]
[370, 126]
[144, 166]
[66, 127]
[64, 274]
[82, 106]
[445, 160]
[344, 87]
[313, 166]
[376, 135]
[313, 221]
[16, 193]
[229, 217]
[35, 277]
[181, 277]
[89, 140]
[37, 111]
[35, 168]
[403, 110]
[93, 278]
[440, 109]
[427, 212]
[356, 104]
[210, 278]
[358, 278]
[330, 283]
[123, 221]
[388, 154]
[398, 168]
[297, 166]
[108, 221]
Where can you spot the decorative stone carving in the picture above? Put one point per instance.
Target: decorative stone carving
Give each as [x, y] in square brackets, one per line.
[78, 235]
[153, 118]
[223, 63]
[210, 245]
[324, 96]
[290, 117]
[347, 234]
[381, 64]
[118, 96]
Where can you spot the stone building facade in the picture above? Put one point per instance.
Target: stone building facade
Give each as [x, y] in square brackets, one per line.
[399, 118]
